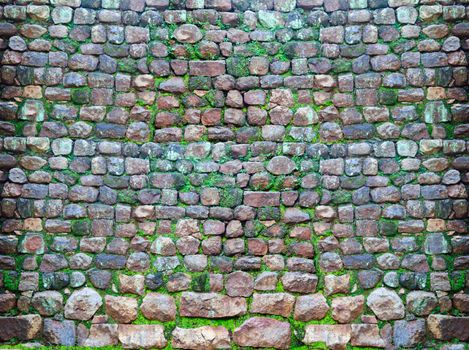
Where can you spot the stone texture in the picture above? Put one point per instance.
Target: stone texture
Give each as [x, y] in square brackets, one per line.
[183, 161]
[386, 304]
[206, 337]
[82, 304]
[263, 332]
[145, 336]
[211, 305]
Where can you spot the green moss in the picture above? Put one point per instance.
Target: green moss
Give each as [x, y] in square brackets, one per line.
[11, 280]
[237, 66]
[231, 197]
[387, 96]
[201, 283]
[127, 65]
[81, 95]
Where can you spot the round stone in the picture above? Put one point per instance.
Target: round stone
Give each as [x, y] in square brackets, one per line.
[281, 165]
[188, 33]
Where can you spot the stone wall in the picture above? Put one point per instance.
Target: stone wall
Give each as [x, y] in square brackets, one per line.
[211, 174]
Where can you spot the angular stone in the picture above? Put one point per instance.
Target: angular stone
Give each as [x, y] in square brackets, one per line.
[273, 304]
[121, 309]
[207, 68]
[335, 336]
[59, 332]
[366, 335]
[409, 334]
[82, 304]
[47, 303]
[310, 307]
[443, 327]
[24, 327]
[145, 336]
[102, 335]
[299, 282]
[206, 337]
[160, 307]
[347, 309]
[211, 305]
[263, 332]
[421, 303]
[239, 284]
[386, 304]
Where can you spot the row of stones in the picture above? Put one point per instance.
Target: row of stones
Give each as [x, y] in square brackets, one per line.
[412, 275]
[241, 5]
[256, 331]
[381, 14]
[373, 57]
[255, 138]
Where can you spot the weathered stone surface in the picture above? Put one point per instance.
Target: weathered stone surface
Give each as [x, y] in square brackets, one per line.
[310, 307]
[281, 165]
[82, 304]
[211, 305]
[121, 309]
[59, 332]
[24, 327]
[334, 336]
[160, 307]
[445, 327]
[263, 332]
[347, 309]
[273, 304]
[421, 303]
[47, 303]
[227, 159]
[143, 336]
[188, 33]
[409, 333]
[205, 337]
[366, 335]
[386, 304]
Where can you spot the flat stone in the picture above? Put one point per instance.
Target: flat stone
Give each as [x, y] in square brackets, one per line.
[443, 327]
[24, 327]
[273, 304]
[366, 335]
[263, 332]
[409, 333]
[143, 336]
[59, 332]
[334, 336]
[211, 305]
[206, 337]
